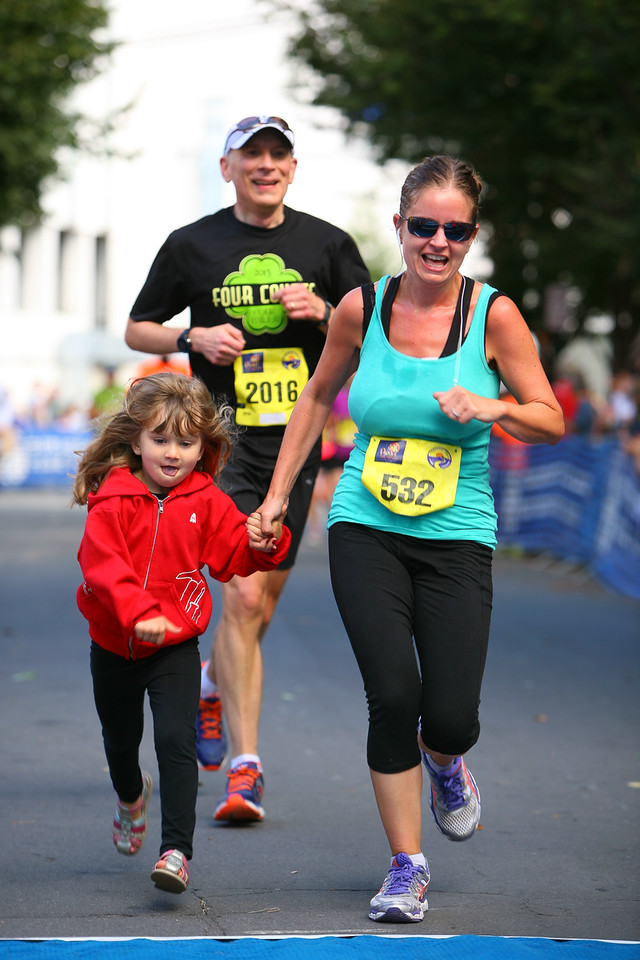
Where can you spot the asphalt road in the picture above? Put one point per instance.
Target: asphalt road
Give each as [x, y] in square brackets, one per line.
[557, 764]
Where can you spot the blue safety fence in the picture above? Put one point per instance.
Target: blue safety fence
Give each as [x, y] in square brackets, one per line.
[579, 500]
[42, 457]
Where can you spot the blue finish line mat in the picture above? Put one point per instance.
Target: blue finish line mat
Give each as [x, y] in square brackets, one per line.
[362, 947]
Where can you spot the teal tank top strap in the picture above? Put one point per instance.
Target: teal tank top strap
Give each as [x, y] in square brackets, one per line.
[479, 324]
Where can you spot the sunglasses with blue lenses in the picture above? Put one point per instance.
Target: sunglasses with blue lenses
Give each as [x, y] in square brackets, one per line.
[425, 228]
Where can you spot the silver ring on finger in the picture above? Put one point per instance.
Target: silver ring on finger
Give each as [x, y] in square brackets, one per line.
[455, 413]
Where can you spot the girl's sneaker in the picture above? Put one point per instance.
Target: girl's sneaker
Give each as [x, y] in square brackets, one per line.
[171, 872]
[454, 800]
[402, 898]
[130, 823]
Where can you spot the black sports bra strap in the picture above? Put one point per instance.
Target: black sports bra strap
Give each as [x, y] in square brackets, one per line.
[368, 303]
[387, 302]
[460, 315]
[466, 302]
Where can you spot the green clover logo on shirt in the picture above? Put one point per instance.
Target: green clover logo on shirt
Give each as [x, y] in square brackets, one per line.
[246, 293]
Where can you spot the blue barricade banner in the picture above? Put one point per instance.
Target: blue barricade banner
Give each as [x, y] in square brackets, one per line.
[42, 457]
[616, 560]
[579, 501]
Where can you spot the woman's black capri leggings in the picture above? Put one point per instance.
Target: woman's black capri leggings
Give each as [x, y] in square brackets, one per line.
[400, 597]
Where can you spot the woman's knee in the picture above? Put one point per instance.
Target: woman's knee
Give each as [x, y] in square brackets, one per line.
[393, 727]
[394, 704]
[450, 735]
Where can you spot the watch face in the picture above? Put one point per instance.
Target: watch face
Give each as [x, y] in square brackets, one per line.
[184, 343]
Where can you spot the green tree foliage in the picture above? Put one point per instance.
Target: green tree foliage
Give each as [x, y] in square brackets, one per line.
[542, 97]
[47, 47]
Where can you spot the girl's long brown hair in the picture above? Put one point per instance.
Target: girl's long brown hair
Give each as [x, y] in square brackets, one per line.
[163, 401]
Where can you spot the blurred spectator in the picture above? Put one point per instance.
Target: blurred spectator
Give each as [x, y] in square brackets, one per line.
[7, 422]
[162, 364]
[590, 356]
[108, 397]
[630, 434]
[623, 404]
[632, 446]
[585, 411]
[73, 418]
[591, 415]
[566, 393]
[41, 405]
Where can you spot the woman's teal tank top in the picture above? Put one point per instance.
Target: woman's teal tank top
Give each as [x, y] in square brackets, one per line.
[392, 396]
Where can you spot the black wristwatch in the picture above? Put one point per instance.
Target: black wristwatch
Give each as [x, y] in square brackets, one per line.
[184, 341]
[327, 313]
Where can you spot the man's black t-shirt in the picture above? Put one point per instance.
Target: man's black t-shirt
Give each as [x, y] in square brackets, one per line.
[225, 271]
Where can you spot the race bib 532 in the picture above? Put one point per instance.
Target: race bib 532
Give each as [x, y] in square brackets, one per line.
[410, 476]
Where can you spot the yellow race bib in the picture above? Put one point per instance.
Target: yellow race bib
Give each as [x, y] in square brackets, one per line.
[411, 477]
[267, 383]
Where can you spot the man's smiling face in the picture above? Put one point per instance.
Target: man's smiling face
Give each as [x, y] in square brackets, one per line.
[261, 172]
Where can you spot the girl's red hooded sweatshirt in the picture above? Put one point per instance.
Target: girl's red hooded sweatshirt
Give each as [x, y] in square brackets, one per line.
[142, 557]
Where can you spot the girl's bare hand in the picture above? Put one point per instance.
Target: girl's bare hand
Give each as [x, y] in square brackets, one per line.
[155, 629]
[257, 540]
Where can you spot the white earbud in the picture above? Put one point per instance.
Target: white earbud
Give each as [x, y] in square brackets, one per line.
[399, 239]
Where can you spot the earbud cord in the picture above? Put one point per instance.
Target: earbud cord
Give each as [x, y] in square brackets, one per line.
[457, 367]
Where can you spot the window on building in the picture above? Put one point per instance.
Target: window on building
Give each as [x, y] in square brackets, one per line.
[101, 283]
[64, 293]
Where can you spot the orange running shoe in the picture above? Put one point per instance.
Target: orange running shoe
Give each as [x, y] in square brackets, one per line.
[242, 801]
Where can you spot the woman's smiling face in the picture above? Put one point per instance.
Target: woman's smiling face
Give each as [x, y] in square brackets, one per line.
[436, 259]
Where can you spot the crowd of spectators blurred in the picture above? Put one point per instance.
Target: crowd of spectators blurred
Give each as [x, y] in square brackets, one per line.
[46, 408]
[591, 414]
[596, 413]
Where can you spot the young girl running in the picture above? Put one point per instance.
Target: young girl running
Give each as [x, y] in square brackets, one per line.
[155, 517]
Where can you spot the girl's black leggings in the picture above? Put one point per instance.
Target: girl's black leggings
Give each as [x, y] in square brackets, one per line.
[417, 613]
[171, 677]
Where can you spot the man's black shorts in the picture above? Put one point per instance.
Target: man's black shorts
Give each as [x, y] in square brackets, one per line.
[247, 474]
